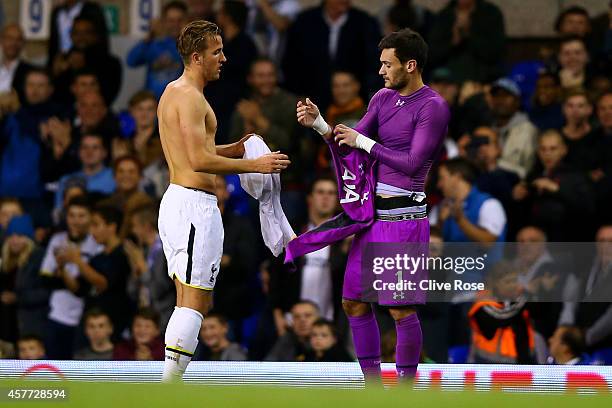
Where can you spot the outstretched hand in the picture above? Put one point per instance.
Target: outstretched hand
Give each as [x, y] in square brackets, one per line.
[307, 113]
[273, 162]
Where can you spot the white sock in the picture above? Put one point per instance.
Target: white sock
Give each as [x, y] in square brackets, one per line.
[181, 341]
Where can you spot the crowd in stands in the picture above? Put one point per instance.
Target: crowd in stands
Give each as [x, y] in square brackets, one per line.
[527, 158]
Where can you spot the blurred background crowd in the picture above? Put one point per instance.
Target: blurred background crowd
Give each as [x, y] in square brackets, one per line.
[527, 158]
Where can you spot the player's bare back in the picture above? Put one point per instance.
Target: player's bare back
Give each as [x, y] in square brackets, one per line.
[181, 93]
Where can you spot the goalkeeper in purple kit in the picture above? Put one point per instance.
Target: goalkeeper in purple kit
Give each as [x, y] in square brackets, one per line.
[403, 130]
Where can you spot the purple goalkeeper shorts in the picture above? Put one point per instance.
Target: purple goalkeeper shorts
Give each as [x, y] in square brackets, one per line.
[356, 285]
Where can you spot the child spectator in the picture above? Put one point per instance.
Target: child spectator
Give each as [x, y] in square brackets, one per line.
[214, 335]
[324, 343]
[31, 348]
[145, 344]
[98, 329]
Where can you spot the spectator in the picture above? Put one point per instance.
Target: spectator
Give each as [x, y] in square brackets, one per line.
[517, 135]
[319, 275]
[214, 336]
[224, 94]
[148, 262]
[592, 314]
[158, 51]
[74, 188]
[9, 208]
[406, 14]
[98, 177]
[235, 289]
[7, 350]
[88, 51]
[466, 214]
[573, 58]
[145, 344]
[62, 20]
[65, 307]
[545, 110]
[31, 348]
[482, 149]
[575, 21]
[293, 345]
[324, 344]
[145, 139]
[501, 331]
[98, 329]
[23, 142]
[468, 37]
[268, 23]
[582, 146]
[201, 10]
[347, 106]
[338, 37]
[553, 193]
[93, 115]
[127, 171]
[567, 346]
[102, 281]
[603, 176]
[13, 68]
[22, 286]
[444, 82]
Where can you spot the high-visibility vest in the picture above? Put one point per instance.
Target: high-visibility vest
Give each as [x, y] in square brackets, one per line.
[502, 347]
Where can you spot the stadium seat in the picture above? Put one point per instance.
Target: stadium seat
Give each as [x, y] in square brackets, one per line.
[458, 354]
[601, 357]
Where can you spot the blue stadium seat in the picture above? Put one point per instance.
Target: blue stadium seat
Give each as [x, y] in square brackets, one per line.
[601, 357]
[458, 354]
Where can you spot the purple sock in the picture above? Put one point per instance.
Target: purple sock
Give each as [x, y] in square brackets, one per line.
[366, 339]
[408, 349]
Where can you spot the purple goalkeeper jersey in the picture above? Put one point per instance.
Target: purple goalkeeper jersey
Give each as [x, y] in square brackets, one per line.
[410, 132]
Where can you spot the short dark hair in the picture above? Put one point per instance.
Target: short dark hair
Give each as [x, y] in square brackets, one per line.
[178, 5]
[573, 338]
[260, 60]
[147, 313]
[85, 72]
[408, 44]
[237, 11]
[31, 337]
[570, 10]
[462, 167]
[95, 312]
[79, 201]
[573, 38]
[109, 214]
[147, 214]
[141, 96]
[127, 157]
[322, 322]
[194, 36]
[307, 302]
[96, 135]
[38, 71]
[320, 179]
[220, 318]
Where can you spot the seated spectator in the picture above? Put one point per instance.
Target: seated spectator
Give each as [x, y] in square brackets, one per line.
[575, 21]
[468, 37]
[293, 345]
[127, 171]
[89, 50]
[214, 336]
[150, 284]
[145, 139]
[482, 149]
[501, 330]
[573, 60]
[65, 308]
[7, 350]
[158, 51]
[407, 14]
[98, 177]
[83, 82]
[23, 143]
[545, 110]
[201, 10]
[94, 115]
[236, 289]
[268, 23]
[554, 196]
[466, 214]
[74, 188]
[567, 346]
[517, 135]
[31, 348]
[98, 329]
[145, 344]
[9, 208]
[102, 281]
[324, 344]
[240, 52]
[347, 106]
[13, 67]
[318, 275]
[582, 146]
[339, 37]
[21, 260]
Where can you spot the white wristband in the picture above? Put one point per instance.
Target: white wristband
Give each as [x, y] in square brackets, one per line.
[321, 126]
[364, 143]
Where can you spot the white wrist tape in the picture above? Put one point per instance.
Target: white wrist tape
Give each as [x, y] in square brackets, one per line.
[364, 142]
[321, 126]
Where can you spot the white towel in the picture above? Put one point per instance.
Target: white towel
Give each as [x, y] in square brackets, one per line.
[275, 229]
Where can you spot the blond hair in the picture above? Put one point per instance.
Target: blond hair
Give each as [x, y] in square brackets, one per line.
[193, 38]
